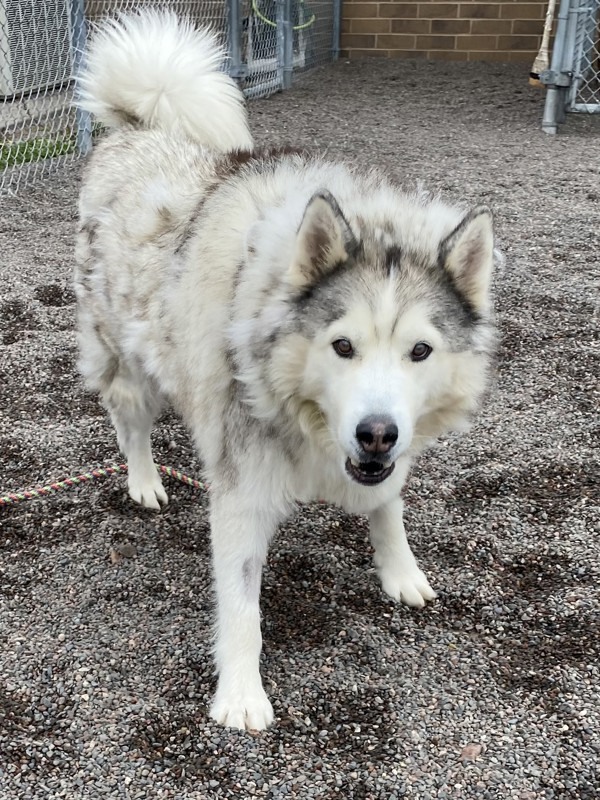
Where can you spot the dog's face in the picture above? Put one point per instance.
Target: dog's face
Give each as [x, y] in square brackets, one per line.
[374, 343]
[389, 343]
[373, 373]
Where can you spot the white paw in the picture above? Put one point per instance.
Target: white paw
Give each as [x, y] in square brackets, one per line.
[147, 490]
[408, 585]
[243, 709]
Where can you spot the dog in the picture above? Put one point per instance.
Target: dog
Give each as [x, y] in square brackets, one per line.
[314, 326]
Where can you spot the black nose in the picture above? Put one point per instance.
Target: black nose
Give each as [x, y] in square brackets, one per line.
[377, 434]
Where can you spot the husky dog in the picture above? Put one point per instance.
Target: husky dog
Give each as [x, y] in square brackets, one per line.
[314, 326]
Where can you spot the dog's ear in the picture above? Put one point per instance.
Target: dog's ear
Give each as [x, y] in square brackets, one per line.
[324, 241]
[468, 255]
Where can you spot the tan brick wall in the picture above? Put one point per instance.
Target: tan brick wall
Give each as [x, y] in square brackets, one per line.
[463, 30]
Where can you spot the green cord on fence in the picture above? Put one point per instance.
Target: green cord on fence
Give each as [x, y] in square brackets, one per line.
[273, 24]
[12, 498]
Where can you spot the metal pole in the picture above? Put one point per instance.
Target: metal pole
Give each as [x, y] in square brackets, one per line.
[572, 52]
[337, 27]
[288, 44]
[279, 41]
[556, 93]
[83, 119]
[234, 19]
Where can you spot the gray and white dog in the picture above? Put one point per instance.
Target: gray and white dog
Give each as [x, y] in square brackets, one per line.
[314, 326]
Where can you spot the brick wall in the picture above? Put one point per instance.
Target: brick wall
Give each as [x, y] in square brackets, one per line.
[463, 30]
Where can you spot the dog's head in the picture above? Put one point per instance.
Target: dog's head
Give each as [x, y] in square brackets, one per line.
[382, 341]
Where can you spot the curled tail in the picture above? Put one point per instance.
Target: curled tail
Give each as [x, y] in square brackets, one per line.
[155, 70]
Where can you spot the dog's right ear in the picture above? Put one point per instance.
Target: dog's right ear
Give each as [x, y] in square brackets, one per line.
[468, 255]
[324, 240]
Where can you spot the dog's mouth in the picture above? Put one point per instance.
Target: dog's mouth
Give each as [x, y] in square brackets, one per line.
[368, 473]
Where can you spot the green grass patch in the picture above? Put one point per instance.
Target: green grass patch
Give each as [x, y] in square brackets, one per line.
[13, 154]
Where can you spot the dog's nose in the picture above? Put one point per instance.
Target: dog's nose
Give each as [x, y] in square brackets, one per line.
[377, 434]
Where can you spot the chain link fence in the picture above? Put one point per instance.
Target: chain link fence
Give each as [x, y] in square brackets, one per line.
[276, 39]
[573, 79]
[42, 43]
[584, 93]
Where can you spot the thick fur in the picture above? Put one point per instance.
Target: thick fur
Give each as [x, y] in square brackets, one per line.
[280, 303]
[156, 70]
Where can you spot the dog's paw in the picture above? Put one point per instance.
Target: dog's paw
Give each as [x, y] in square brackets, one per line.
[147, 490]
[250, 710]
[408, 585]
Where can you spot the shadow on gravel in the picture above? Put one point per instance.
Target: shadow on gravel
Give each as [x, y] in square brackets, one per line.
[16, 319]
[26, 723]
[54, 295]
[180, 743]
[551, 492]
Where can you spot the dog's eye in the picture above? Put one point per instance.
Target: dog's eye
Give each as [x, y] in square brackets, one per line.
[343, 348]
[420, 351]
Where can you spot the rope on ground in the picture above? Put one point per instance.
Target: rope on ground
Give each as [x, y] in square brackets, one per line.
[12, 498]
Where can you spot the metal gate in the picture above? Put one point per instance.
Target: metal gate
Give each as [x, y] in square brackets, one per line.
[270, 40]
[573, 79]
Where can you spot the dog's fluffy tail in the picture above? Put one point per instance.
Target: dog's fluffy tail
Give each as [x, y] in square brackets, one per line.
[155, 70]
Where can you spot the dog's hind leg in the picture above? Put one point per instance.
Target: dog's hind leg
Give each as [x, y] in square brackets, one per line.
[396, 565]
[132, 402]
[133, 408]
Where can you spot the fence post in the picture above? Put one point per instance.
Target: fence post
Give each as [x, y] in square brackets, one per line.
[557, 78]
[236, 67]
[337, 27]
[279, 40]
[83, 119]
[288, 44]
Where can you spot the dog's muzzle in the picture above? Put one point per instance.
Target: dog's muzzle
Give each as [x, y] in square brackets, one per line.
[375, 437]
[368, 473]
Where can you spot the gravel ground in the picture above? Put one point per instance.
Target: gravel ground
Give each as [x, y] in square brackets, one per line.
[489, 692]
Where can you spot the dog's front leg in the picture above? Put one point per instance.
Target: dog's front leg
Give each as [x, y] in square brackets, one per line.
[240, 537]
[396, 565]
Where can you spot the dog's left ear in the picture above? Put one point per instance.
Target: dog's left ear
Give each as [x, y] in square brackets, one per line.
[468, 255]
[324, 240]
